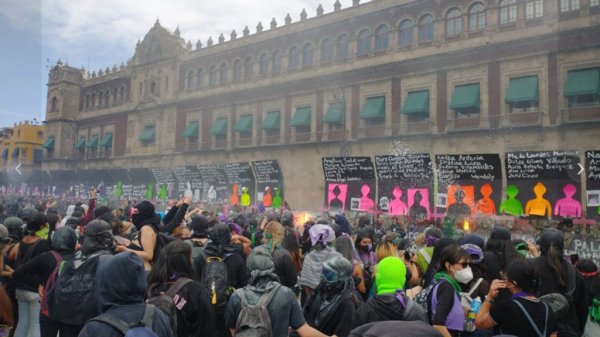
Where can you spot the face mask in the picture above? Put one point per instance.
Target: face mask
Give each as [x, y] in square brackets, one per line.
[43, 232]
[464, 276]
[366, 248]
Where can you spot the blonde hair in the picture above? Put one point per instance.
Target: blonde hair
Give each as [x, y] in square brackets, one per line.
[386, 249]
[276, 230]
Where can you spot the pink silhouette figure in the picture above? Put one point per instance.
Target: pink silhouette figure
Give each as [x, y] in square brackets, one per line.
[486, 205]
[567, 206]
[397, 206]
[366, 203]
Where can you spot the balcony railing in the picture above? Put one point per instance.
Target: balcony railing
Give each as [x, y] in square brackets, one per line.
[464, 123]
[581, 114]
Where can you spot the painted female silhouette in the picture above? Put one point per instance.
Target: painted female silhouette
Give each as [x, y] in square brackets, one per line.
[567, 206]
[245, 197]
[211, 194]
[277, 198]
[417, 211]
[234, 199]
[539, 206]
[459, 209]
[366, 203]
[486, 205]
[511, 206]
[162, 192]
[267, 197]
[149, 191]
[336, 204]
[397, 206]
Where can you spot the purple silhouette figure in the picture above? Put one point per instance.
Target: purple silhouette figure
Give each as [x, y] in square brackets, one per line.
[567, 206]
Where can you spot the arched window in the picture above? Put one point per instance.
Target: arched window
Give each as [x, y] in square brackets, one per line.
[122, 94]
[153, 90]
[93, 100]
[363, 42]
[212, 76]
[308, 52]
[237, 70]
[100, 99]
[382, 38]
[569, 5]
[54, 104]
[534, 9]
[341, 47]
[263, 64]
[476, 17]
[87, 101]
[248, 67]
[115, 95]
[453, 22]
[189, 83]
[426, 28]
[223, 73]
[405, 33]
[293, 58]
[200, 78]
[276, 59]
[508, 11]
[106, 97]
[327, 47]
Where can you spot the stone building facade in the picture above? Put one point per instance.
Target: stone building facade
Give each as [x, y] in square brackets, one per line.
[441, 77]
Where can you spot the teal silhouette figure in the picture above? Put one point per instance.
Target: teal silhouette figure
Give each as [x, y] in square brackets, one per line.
[277, 199]
[511, 205]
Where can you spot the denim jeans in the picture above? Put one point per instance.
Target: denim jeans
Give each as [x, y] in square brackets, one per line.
[29, 314]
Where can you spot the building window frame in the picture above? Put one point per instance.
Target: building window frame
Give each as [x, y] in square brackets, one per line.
[406, 33]
[327, 50]
[342, 47]
[453, 22]
[426, 28]
[534, 9]
[508, 12]
[363, 42]
[476, 17]
[569, 5]
[382, 38]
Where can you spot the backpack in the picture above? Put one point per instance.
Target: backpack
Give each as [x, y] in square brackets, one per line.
[560, 302]
[142, 328]
[73, 299]
[50, 282]
[165, 300]
[255, 320]
[422, 298]
[216, 279]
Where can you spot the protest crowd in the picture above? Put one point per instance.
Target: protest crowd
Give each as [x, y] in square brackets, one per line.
[189, 269]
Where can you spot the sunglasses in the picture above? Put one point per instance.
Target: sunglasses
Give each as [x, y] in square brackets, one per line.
[463, 264]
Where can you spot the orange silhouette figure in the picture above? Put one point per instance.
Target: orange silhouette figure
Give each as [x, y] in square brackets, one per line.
[539, 206]
[267, 197]
[486, 205]
[234, 199]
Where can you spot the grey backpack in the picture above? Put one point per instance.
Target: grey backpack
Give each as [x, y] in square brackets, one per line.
[254, 320]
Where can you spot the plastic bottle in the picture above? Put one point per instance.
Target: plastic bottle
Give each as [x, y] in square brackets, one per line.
[470, 321]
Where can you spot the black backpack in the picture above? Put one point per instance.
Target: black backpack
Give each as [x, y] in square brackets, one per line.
[165, 301]
[215, 279]
[73, 299]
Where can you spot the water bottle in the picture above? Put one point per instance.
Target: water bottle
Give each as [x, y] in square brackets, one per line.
[470, 321]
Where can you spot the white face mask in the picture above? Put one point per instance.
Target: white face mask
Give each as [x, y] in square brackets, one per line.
[464, 276]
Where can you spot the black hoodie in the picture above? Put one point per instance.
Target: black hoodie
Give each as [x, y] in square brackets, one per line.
[387, 307]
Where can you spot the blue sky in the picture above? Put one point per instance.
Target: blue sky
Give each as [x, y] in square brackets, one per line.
[96, 34]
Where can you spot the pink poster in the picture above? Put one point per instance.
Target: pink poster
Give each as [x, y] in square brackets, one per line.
[336, 197]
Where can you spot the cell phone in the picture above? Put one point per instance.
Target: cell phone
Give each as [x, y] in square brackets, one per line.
[574, 258]
[407, 256]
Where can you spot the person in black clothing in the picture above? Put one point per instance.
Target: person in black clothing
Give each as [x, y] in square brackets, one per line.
[499, 252]
[510, 315]
[192, 300]
[390, 302]
[591, 275]
[331, 307]
[43, 265]
[559, 276]
[232, 255]
[284, 265]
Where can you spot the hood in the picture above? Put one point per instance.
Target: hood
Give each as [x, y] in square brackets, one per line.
[120, 281]
[145, 215]
[220, 241]
[64, 240]
[343, 222]
[199, 226]
[98, 237]
[387, 306]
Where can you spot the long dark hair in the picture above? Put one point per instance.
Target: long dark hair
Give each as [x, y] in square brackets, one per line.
[556, 261]
[173, 262]
[524, 274]
[505, 250]
[452, 254]
[434, 264]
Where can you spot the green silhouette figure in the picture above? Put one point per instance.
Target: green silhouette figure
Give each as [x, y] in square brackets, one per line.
[149, 191]
[511, 205]
[119, 190]
[162, 192]
[245, 197]
[277, 198]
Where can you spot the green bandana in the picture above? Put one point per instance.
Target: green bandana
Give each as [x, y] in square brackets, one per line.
[443, 275]
[43, 233]
[595, 311]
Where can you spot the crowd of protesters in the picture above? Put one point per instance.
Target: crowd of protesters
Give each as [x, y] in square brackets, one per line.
[88, 270]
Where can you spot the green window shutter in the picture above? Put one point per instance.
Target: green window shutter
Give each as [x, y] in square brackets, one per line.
[272, 121]
[107, 140]
[49, 143]
[148, 134]
[522, 89]
[417, 102]
[191, 131]
[93, 143]
[244, 124]
[465, 97]
[583, 82]
[335, 113]
[374, 108]
[80, 144]
[301, 117]
[219, 127]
